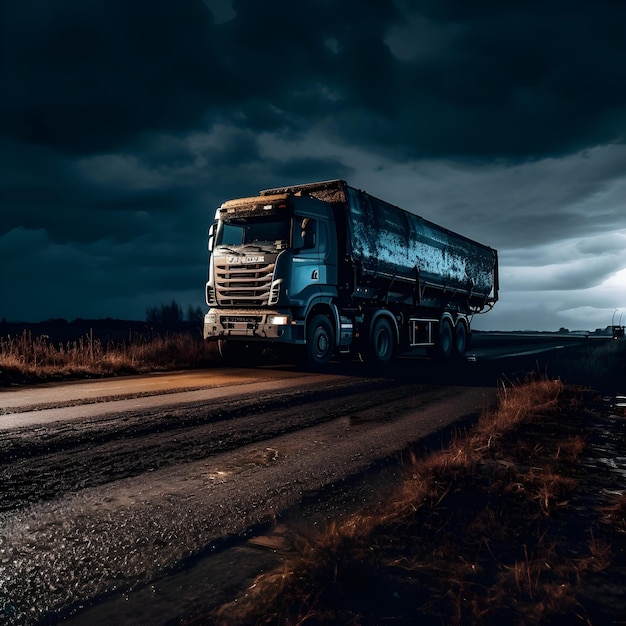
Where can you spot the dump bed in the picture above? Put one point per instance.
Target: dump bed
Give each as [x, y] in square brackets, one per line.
[390, 243]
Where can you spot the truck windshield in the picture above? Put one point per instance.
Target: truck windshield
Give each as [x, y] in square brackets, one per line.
[254, 230]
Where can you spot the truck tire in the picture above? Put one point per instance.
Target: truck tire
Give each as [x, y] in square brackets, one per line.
[382, 344]
[320, 342]
[460, 340]
[445, 341]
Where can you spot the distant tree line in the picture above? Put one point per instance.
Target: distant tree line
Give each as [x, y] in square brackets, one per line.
[172, 314]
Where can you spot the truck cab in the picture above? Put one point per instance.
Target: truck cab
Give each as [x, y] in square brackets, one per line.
[273, 259]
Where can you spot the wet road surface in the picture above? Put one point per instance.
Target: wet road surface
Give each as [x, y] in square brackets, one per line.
[107, 485]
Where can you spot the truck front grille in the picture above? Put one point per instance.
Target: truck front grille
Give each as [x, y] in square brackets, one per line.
[243, 284]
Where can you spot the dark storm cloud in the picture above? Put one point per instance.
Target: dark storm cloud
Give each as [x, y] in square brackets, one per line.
[576, 277]
[513, 79]
[310, 169]
[525, 204]
[86, 76]
[42, 190]
[497, 80]
[42, 279]
[486, 79]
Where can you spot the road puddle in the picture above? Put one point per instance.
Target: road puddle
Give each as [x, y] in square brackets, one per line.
[606, 452]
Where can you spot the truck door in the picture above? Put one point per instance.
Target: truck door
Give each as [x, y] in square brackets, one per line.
[313, 267]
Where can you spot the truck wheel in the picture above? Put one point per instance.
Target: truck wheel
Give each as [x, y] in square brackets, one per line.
[445, 342]
[460, 340]
[382, 345]
[320, 341]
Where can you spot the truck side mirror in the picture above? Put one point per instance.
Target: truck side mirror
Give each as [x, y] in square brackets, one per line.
[212, 230]
[308, 233]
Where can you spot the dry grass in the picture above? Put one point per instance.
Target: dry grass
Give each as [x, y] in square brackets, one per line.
[37, 358]
[468, 538]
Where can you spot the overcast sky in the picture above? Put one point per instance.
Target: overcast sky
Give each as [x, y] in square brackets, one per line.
[125, 123]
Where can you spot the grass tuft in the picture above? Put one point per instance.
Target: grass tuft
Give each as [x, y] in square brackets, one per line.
[28, 357]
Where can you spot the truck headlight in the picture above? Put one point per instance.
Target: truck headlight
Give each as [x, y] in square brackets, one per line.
[211, 300]
[274, 292]
[278, 320]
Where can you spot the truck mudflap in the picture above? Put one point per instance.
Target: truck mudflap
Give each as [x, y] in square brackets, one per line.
[274, 326]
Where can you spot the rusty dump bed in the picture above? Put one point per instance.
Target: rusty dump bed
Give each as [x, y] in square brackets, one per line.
[389, 242]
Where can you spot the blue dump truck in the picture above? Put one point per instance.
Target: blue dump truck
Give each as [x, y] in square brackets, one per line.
[331, 270]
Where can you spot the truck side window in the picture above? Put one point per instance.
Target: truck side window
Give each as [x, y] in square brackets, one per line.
[308, 228]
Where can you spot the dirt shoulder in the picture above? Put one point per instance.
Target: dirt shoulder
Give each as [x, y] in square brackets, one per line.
[520, 520]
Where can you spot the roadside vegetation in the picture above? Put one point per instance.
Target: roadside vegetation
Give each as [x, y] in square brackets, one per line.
[505, 525]
[492, 529]
[28, 358]
[169, 339]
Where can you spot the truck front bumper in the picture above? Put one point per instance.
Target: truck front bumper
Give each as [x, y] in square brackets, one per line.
[256, 325]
